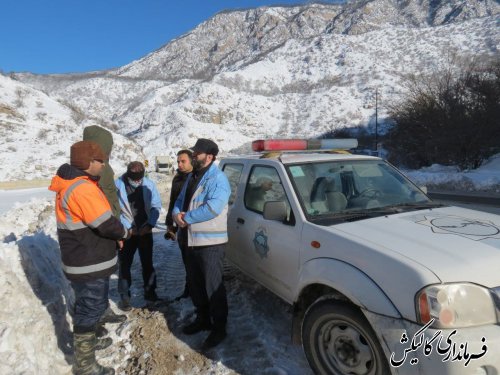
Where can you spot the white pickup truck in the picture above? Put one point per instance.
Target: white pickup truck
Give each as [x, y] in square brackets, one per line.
[382, 279]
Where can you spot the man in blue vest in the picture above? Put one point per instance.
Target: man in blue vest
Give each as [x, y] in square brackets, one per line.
[200, 212]
[140, 209]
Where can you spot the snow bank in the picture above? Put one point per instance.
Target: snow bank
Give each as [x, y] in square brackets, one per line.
[485, 178]
[34, 324]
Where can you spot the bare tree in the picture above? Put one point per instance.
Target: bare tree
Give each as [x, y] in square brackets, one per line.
[451, 118]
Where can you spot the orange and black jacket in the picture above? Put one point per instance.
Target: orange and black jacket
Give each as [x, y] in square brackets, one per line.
[86, 227]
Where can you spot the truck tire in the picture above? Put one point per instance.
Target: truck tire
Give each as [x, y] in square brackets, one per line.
[338, 340]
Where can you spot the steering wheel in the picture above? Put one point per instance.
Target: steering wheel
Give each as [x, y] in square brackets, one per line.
[370, 193]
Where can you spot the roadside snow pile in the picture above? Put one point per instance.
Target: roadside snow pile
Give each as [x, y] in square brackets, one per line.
[34, 325]
[438, 177]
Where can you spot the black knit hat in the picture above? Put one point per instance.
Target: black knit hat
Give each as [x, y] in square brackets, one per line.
[135, 170]
[205, 146]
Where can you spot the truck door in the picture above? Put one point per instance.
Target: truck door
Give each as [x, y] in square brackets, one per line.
[233, 174]
[269, 249]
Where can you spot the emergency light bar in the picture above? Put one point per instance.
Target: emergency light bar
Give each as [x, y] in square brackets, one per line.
[303, 144]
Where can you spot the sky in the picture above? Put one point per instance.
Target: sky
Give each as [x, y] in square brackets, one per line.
[64, 36]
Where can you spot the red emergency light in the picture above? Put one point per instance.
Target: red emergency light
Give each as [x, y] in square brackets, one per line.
[303, 144]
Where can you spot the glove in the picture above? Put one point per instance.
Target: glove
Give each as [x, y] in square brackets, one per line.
[169, 235]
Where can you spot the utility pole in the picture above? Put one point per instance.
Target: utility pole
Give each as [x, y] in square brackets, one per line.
[376, 119]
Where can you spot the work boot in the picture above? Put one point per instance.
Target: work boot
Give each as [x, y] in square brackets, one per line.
[85, 362]
[200, 324]
[109, 316]
[100, 331]
[103, 343]
[124, 304]
[214, 338]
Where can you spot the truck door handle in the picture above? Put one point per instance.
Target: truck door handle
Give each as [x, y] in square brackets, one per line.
[240, 220]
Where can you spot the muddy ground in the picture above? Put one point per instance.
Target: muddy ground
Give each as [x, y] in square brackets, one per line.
[151, 341]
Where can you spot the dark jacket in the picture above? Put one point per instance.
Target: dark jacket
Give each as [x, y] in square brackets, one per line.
[177, 184]
[151, 199]
[86, 227]
[107, 182]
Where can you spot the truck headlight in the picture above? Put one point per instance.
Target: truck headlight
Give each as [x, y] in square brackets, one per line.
[456, 305]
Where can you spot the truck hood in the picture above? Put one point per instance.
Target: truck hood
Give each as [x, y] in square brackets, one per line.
[456, 244]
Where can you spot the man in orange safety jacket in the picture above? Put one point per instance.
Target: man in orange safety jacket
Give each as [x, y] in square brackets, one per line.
[87, 232]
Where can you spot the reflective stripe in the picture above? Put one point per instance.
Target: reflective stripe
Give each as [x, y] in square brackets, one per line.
[208, 233]
[101, 219]
[65, 199]
[71, 226]
[92, 268]
[212, 231]
[204, 241]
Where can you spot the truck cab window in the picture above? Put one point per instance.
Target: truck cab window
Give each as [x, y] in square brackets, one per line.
[264, 185]
[233, 174]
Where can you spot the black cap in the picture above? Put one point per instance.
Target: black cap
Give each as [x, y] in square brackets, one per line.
[205, 146]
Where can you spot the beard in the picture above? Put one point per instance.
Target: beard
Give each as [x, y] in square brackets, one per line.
[199, 163]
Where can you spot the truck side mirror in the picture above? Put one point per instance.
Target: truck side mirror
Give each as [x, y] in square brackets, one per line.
[423, 188]
[275, 210]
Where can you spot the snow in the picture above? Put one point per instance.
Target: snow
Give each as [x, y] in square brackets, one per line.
[485, 178]
[38, 130]
[286, 72]
[35, 327]
[10, 197]
[33, 292]
[35, 333]
[313, 82]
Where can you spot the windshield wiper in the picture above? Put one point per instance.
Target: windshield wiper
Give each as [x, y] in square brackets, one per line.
[403, 207]
[349, 216]
[331, 219]
[418, 205]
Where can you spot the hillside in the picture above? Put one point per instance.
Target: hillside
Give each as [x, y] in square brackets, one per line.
[279, 71]
[37, 132]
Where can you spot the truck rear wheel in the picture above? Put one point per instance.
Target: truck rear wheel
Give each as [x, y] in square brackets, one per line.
[338, 340]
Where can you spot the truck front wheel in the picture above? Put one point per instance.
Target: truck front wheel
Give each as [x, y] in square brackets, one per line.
[338, 340]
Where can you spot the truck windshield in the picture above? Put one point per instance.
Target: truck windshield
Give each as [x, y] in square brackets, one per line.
[350, 188]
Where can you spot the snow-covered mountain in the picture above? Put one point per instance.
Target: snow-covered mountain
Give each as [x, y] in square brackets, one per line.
[36, 132]
[279, 71]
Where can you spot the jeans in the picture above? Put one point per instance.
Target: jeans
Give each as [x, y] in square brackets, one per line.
[91, 300]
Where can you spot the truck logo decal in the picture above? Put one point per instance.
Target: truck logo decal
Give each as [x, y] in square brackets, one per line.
[260, 242]
[470, 228]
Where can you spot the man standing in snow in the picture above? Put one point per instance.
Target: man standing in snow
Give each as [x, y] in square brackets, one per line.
[140, 209]
[87, 232]
[185, 167]
[200, 212]
[104, 139]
